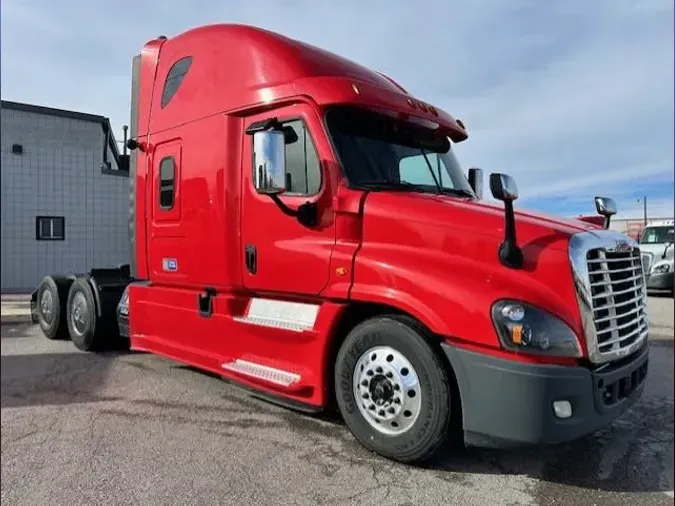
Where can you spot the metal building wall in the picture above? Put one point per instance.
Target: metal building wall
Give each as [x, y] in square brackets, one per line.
[58, 174]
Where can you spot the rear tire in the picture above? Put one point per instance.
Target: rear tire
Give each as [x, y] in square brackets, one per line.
[52, 295]
[393, 390]
[84, 326]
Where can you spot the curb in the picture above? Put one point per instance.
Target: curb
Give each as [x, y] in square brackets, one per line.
[12, 319]
[661, 332]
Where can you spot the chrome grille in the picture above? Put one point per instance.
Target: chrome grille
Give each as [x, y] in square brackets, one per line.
[610, 282]
[617, 283]
[647, 259]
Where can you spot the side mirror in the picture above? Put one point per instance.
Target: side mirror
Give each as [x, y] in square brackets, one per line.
[606, 207]
[503, 187]
[476, 181]
[269, 160]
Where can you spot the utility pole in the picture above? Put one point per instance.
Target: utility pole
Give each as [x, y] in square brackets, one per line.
[644, 207]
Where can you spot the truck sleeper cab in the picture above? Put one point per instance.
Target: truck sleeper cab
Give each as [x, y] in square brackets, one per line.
[301, 225]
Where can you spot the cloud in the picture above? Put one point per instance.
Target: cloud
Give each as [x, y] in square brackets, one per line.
[572, 99]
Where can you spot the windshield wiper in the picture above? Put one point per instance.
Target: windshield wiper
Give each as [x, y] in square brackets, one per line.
[439, 188]
[391, 184]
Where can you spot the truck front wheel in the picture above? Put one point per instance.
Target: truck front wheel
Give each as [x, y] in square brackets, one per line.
[393, 390]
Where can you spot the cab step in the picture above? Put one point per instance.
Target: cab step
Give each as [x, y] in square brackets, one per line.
[262, 372]
[280, 314]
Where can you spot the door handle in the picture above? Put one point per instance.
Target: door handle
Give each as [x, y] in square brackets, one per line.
[205, 302]
[251, 255]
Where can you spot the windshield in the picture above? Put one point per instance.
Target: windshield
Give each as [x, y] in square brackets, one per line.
[377, 151]
[657, 235]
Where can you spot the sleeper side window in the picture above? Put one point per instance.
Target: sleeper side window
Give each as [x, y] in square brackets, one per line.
[303, 171]
[174, 79]
[167, 183]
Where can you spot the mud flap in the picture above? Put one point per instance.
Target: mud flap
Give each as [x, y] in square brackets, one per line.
[33, 307]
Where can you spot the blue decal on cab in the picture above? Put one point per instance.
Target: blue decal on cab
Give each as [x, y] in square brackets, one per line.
[170, 264]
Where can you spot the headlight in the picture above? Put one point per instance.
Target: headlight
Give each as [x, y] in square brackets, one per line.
[526, 329]
[661, 268]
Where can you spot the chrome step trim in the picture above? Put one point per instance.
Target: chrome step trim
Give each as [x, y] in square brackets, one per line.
[272, 323]
[280, 314]
[263, 372]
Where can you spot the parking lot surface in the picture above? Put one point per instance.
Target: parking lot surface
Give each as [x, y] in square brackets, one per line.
[132, 428]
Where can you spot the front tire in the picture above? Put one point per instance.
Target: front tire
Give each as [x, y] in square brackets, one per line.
[393, 390]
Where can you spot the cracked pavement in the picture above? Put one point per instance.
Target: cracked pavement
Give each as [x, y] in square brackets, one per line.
[132, 428]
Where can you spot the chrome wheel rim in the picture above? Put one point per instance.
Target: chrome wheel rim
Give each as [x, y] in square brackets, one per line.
[47, 306]
[387, 390]
[78, 313]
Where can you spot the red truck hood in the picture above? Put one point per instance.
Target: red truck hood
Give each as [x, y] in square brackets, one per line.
[441, 253]
[529, 224]
[476, 218]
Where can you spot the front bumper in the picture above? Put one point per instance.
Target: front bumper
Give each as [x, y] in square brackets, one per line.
[660, 281]
[506, 403]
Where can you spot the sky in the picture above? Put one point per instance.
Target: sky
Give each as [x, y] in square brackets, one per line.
[573, 99]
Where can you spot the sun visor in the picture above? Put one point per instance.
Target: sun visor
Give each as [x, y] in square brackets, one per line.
[339, 90]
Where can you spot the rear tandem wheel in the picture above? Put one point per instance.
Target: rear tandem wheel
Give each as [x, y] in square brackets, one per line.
[52, 294]
[84, 326]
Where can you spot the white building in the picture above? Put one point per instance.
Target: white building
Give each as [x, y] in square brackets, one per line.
[64, 203]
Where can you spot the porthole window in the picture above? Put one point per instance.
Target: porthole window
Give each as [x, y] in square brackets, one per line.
[167, 174]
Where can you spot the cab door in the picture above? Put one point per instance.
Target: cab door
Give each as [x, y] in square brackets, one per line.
[280, 254]
[167, 252]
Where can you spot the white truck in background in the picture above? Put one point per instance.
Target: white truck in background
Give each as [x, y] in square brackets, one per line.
[656, 248]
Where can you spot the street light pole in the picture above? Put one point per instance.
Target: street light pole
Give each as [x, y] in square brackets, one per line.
[644, 207]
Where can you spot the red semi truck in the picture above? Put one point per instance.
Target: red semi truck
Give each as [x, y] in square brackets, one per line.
[300, 224]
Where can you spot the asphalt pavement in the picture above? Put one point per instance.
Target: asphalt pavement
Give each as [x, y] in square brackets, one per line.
[132, 428]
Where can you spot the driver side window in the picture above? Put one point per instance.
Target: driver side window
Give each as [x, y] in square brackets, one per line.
[414, 169]
[303, 170]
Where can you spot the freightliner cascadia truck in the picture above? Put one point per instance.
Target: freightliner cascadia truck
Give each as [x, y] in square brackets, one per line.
[300, 225]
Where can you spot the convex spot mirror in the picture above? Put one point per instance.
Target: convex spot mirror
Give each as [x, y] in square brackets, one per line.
[503, 187]
[605, 206]
[269, 160]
